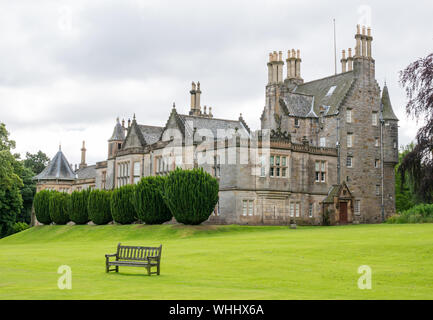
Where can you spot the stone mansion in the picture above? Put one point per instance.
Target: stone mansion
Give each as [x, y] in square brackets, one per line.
[326, 150]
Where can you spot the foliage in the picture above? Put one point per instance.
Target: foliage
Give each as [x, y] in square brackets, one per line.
[122, 204]
[11, 201]
[420, 213]
[405, 196]
[59, 204]
[41, 205]
[36, 162]
[99, 206]
[417, 79]
[20, 226]
[148, 201]
[191, 195]
[78, 207]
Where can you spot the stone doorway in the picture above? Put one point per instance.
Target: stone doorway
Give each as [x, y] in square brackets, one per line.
[343, 213]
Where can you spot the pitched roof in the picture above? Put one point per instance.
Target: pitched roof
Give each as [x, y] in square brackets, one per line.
[213, 125]
[298, 105]
[328, 92]
[151, 134]
[118, 132]
[88, 172]
[57, 169]
[388, 113]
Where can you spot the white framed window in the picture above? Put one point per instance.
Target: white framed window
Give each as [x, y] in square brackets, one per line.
[298, 206]
[137, 171]
[310, 210]
[349, 162]
[394, 144]
[323, 141]
[349, 140]
[376, 142]
[247, 207]
[278, 166]
[296, 122]
[262, 165]
[217, 166]
[320, 169]
[331, 91]
[349, 115]
[374, 118]
[292, 209]
[357, 208]
[123, 173]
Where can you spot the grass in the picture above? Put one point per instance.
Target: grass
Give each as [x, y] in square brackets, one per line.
[222, 262]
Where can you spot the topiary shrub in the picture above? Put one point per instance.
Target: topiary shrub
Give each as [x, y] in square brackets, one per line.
[59, 207]
[122, 204]
[148, 201]
[20, 226]
[78, 207]
[41, 204]
[99, 206]
[191, 195]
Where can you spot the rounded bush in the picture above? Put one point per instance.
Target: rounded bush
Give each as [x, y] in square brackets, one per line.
[59, 207]
[122, 204]
[78, 207]
[191, 195]
[99, 206]
[41, 204]
[148, 201]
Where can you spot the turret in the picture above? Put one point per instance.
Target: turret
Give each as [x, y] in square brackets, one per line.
[390, 128]
[116, 140]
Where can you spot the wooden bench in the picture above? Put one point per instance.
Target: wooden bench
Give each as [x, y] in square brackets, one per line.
[133, 256]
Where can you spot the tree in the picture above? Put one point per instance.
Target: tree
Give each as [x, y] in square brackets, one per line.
[405, 197]
[59, 205]
[191, 195]
[99, 206]
[42, 206]
[78, 207]
[149, 204]
[417, 79]
[36, 162]
[11, 201]
[122, 204]
[5, 143]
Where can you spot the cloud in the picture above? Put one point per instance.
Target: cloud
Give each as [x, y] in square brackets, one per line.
[68, 69]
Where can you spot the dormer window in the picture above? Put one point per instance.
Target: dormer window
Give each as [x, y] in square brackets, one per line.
[331, 91]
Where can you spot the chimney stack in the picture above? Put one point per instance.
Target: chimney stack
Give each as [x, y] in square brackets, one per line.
[358, 42]
[369, 40]
[83, 156]
[197, 98]
[298, 64]
[343, 61]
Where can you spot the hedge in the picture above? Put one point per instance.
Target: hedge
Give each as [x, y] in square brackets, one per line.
[422, 213]
[122, 204]
[59, 207]
[191, 195]
[41, 204]
[78, 207]
[99, 206]
[148, 201]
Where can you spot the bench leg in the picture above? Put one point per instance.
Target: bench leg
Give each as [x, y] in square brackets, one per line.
[117, 268]
[148, 270]
[106, 268]
[157, 270]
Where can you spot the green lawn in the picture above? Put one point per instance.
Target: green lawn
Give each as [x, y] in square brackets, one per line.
[222, 262]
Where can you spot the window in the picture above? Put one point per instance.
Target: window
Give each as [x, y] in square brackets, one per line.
[262, 166]
[376, 142]
[377, 190]
[377, 163]
[349, 115]
[323, 142]
[374, 119]
[217, 166]
[136, 171]
[395, 144]
[162, 165]
[103, 179]
[296, 122]
[310, 210]
[292, 209]
[123, 173]
[349, 162]
[320, 168]
[297, 209]
[349, 140]
[357, 207]
[247, 207]
[278, 166]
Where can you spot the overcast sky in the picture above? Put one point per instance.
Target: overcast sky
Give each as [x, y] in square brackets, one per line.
[69, 68]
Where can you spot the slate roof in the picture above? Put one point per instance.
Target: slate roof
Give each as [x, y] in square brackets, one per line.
[118, 132]
[299, 105]
[151, 134]
[57, 169]
[320, 88]
[211, 124]
[88, 172]
[388, 113]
